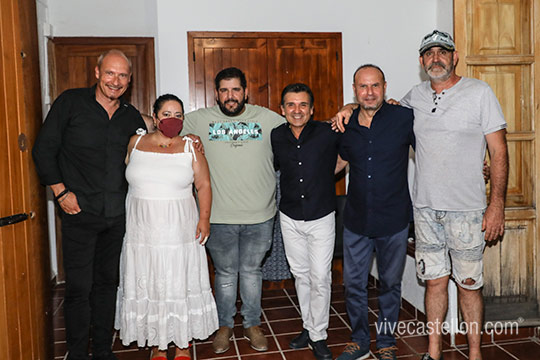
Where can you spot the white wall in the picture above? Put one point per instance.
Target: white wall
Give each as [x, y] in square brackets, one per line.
[386, 32]
[103, 17]
[445, 16]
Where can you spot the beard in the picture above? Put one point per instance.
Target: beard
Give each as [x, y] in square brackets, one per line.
[441, 76]
[237, 110]
[365, 106]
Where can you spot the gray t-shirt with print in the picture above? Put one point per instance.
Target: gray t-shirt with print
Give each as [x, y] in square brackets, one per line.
[240, 159]
[450, 130]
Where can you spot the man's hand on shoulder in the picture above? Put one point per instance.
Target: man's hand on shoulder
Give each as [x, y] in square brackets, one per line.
[197, 143]
[342, 117]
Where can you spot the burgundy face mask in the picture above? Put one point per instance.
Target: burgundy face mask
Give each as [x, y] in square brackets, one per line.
[171, 127]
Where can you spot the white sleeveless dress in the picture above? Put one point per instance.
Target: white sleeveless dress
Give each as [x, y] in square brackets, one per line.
[164, 294]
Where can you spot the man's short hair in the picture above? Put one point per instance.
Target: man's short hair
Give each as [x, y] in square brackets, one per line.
[368, 66]
[297, 88]
[231, 73]
[113, 52]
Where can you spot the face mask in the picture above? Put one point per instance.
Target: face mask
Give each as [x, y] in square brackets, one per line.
[171, 127]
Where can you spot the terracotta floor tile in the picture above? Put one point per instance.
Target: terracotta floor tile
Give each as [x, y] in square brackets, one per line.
[282, 313]
[276, 293]
[336, 321]
[286, 326]
[277, 302]
[454, 355]
[528, 350]
[339, 307]
[418, 343]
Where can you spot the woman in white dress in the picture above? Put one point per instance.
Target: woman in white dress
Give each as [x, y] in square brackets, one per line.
[164, 294]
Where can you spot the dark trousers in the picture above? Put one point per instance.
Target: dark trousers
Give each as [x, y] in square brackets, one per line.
[357, 254]
[91, 248]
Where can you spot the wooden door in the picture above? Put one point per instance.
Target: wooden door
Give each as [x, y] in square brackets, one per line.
[73, 60]
[25, 301]
[496, 40]
[270, 61]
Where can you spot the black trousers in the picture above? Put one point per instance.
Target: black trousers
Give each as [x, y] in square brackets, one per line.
[91, 248]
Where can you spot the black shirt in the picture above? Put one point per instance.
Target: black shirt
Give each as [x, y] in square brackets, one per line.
[378, 201]
[79, 146]
[307, 167]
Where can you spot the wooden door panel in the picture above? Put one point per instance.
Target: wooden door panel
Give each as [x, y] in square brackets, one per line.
[314, 62]
[215, 54]
[504, 24]
[494, 39]
[25, 316]
[74, 60]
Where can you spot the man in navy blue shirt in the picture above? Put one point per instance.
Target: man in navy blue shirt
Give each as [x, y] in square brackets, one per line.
[306, 153]
[378, 210]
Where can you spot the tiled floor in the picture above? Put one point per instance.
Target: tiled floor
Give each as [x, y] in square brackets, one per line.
[281, 322]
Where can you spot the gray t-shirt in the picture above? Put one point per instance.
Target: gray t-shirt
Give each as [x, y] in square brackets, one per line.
[450, 130]
[240, 158]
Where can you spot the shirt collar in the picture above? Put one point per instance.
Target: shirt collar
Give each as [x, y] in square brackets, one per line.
[305, 131]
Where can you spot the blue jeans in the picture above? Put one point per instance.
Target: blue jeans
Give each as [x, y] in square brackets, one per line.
[237, 252]
[357, 254]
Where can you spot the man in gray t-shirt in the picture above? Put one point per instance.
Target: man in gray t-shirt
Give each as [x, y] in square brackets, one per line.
[454, 118]
[236, 138]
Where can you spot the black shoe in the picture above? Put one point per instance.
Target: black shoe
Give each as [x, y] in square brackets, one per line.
[301, 341]
[320, 350]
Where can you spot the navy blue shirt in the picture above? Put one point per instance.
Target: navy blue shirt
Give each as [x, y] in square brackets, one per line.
[80, 146]
[378, 201]
[307, 167]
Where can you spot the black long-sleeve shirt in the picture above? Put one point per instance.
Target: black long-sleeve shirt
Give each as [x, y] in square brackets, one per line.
[307, 167]
[81, 147]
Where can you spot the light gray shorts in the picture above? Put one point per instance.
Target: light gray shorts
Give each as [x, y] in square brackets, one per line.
[449, 242]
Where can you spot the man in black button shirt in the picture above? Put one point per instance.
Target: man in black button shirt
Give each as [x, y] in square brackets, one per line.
[376, 144]
[306, 151]
[80, 153]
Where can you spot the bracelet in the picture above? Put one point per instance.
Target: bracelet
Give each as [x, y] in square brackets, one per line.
[61, 201]
[64, 192]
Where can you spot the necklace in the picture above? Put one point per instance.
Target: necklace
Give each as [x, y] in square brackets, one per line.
[165, 145]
